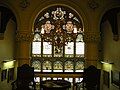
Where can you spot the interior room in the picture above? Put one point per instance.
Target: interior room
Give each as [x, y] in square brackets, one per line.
[60, 40]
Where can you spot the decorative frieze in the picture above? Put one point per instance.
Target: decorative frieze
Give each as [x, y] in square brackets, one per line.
[24, 36]
[91, 37]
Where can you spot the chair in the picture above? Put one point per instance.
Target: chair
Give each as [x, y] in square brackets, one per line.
[25, 78]
[91, 79]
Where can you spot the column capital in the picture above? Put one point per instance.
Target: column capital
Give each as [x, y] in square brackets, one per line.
[24, 36]
[93, 37]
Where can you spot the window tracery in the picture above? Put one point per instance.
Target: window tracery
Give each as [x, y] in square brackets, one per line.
[58, 33]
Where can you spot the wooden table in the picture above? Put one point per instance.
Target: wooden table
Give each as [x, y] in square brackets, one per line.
[55, 85]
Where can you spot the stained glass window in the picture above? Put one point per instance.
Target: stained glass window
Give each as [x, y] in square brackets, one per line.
[47, 66]
[69, 66]
[69, 48]
[37, 65]
[79, 67]
[47, 48]
[79, 46]
[58, 34]
[58, 51]
[36, 44]
[58, 66]
[59, 28]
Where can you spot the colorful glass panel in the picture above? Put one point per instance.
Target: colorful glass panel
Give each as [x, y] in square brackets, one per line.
[36, 48]
[47, 66]
[69, 48]
[58, 33]
[47, 48]
[37, 65]
[57, 66]
[69, 66]
[79, 67]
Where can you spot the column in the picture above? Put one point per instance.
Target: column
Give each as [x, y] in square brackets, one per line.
[91, 40]
[23, 47]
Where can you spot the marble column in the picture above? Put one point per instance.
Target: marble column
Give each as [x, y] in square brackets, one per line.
[23, 45]
[91, 40]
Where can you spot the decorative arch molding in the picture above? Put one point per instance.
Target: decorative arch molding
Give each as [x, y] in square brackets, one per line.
[103, 12]
[13, 10]
[68, 4]
[105, 9]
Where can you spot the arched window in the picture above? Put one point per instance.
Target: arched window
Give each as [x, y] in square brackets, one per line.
[58, 33]
[37, 65]
[58, 66]
[69, 66]
[47, 66]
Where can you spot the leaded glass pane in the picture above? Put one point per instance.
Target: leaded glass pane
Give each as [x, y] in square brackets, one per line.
[58, 67]
[47, 66]
[79, 67]
[69, 48]
[58, 51]
[68, 66]
[79, 38]
[47, 48]
[60, 31]
[37, 37]
[37, 65]
[36, 48]
[47, 27]
[80, 48]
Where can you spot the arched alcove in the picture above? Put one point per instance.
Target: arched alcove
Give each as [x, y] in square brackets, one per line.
[5, 15]
[111, 16]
